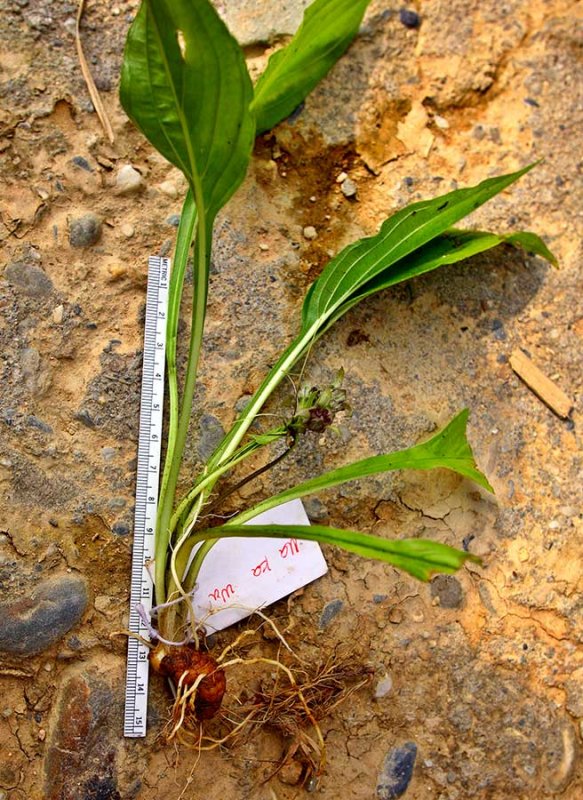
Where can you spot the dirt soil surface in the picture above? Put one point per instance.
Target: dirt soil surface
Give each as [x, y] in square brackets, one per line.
[476, 687]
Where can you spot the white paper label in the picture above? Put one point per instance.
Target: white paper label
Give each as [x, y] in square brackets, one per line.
[240, 575]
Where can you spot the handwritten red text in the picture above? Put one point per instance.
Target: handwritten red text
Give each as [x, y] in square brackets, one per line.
[261, 568]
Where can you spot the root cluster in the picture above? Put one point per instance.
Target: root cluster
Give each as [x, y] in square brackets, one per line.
[290, 698]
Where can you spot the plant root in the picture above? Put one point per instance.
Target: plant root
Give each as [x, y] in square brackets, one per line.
[292, 701]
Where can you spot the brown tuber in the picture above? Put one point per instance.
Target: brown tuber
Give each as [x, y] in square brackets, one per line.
[184, 665]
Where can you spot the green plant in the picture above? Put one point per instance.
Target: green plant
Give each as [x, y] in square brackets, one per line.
[186, 86]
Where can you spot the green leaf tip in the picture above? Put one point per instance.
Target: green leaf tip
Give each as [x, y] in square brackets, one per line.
[326, 31]
[451, 443]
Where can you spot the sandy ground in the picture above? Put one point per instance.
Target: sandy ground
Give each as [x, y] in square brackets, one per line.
[482, 673]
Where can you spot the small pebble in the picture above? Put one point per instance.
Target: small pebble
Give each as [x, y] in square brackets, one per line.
[383, 687]
[264, 247]
[342, 177]
[396, 616]
[410, 19]
[85, 418]
[315, 509]
[58, 313]
[127, 230]
[82, 163]
[174, 220]
[128, 181]
[169, 189]
[397, 771]
[441, 122]
[310, 232]
[331, 610]
[85, 231]
[211, 434]
[121, 529]
[447, 590]
[348, 187]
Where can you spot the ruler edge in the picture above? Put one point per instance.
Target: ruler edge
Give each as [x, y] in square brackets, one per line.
[137, 665]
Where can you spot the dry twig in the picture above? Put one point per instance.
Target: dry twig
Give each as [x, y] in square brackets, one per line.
[92, 88]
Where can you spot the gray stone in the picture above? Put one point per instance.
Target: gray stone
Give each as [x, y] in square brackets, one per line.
[35, 377]
[121, 529]
[128, 181]
[34, 422]
[331, 610]
[32, 624]
[29, 279]
[85, 418]
[242, 403]
[85, 231]
[383, 687]
[397, 771]
[251, 22]
[211, 434]
[315, 509]
[410, 19]
[82, 163]
[448, 590]
[348, 187]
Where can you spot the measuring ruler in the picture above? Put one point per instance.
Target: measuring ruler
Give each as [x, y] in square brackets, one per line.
[148, 478]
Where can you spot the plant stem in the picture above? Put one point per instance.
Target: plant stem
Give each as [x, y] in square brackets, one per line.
[272, 380]
[169, 489]
[183, 245]
[248, 478]
[207, 479]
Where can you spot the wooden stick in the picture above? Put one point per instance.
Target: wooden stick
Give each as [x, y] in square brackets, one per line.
[92, 88]
[543, 387]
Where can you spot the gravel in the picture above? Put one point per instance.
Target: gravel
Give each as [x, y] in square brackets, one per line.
[85, 231]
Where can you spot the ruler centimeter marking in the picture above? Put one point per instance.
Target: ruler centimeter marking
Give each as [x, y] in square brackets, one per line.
[147, 482]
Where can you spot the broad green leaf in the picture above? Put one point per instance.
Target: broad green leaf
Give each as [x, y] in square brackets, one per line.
[448, 449]
[450, 247]
[186, 86]
[327, 29]
[421, 558]
[411, 242]
[402, 234]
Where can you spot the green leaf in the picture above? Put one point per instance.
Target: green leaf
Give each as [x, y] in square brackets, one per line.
[186, 86]
[402, 234]
[327, 29]
[421, 558]
[448, 449]
[532, 244]
[450, 247]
